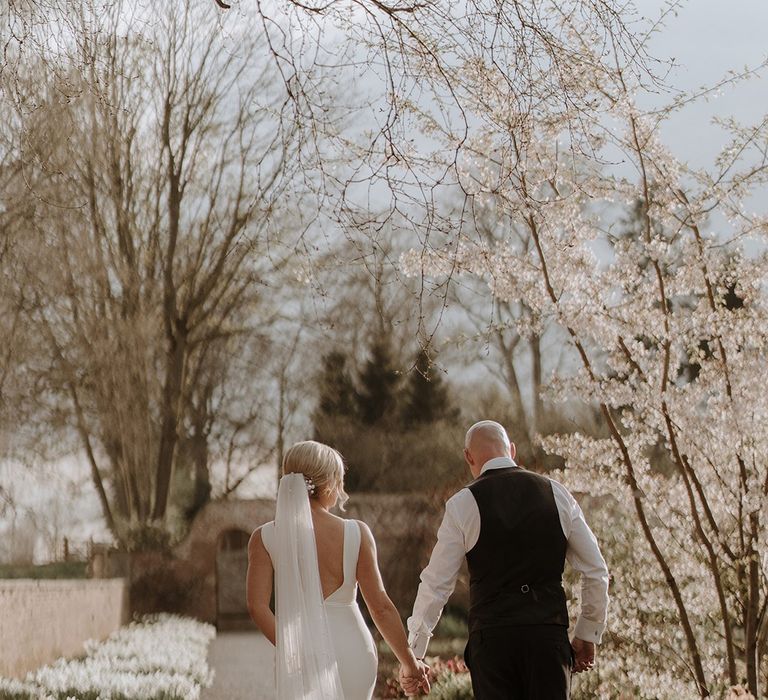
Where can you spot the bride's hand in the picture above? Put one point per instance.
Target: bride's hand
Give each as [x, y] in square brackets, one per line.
[414, 679]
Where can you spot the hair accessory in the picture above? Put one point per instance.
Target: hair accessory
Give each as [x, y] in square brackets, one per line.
[310, 485]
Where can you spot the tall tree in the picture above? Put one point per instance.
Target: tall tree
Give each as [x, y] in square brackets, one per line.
[699, 530]
[151, 207]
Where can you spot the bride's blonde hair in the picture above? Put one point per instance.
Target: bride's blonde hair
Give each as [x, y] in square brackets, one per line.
[321, 465]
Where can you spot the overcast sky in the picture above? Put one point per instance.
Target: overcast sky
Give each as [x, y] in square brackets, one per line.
[707, 38]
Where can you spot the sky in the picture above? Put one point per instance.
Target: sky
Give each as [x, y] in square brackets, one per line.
[706, 39]
[57, 500]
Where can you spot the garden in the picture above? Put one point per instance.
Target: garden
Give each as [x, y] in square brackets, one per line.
[229, 226]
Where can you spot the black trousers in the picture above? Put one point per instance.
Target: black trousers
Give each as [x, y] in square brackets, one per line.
[530, 662]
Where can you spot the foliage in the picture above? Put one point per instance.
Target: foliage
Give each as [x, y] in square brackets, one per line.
[379, 382]
[162, 657]
[452, 686]
[452, 625]
[338, 395]
[392, 437]
[427, 458]
[158, 583]
[147, 538]
[155, 590]
[427, 396]
[55, 570]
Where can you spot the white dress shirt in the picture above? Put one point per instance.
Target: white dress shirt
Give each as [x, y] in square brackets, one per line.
[459, 533]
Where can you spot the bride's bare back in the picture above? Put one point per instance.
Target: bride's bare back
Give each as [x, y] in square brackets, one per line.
[329, 536]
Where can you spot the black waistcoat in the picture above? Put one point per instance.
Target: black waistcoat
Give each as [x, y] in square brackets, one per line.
[516, 567]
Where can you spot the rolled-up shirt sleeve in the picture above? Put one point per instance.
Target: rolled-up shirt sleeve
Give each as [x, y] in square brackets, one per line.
[583, 554]
[438, 579]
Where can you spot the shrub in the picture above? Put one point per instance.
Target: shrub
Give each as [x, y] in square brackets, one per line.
[148, 538]
[452, 625]
[162, 589]
[61, 569]
[454, 686]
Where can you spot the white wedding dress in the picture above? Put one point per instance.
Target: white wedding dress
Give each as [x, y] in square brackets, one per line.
[354, 648]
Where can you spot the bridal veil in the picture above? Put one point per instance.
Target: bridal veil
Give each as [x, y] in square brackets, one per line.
[306, 665]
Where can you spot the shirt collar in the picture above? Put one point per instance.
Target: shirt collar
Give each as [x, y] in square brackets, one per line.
[498, 463]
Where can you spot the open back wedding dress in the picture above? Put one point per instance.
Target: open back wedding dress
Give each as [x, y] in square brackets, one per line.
[324, 648]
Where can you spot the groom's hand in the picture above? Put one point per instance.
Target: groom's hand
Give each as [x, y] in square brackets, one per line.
[584, 655]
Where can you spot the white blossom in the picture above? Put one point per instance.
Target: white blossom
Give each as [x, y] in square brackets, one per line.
[163, 656]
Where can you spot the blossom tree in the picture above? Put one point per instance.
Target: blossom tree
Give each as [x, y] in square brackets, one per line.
[669, 335]
[395, 59]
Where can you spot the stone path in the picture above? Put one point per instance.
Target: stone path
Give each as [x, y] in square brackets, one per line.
[244, 666]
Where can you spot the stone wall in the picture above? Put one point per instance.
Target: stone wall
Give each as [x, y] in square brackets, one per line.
[43, 620]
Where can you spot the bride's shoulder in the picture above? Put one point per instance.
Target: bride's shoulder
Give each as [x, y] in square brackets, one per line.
[365, 531]
[264, 527]
[359, 523]
[261, 533]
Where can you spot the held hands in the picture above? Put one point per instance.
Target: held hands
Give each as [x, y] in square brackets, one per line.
[584, 653]
[414, 679]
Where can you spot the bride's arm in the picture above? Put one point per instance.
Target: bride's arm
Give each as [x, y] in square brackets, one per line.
[380, 606]
[259, 586]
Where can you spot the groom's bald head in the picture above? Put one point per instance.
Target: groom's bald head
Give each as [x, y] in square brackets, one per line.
[486, 432]
[486, 440]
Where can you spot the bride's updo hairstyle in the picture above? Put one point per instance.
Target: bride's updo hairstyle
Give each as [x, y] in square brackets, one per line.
[322, 467]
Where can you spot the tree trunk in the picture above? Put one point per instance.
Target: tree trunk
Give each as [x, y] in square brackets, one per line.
[169, 431]
[752, 612]
[98, 482]
[523, 437]
[538, 405]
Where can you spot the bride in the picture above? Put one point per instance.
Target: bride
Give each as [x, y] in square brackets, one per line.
[324, 648]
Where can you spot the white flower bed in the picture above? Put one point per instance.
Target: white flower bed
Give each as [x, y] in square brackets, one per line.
[163, 657]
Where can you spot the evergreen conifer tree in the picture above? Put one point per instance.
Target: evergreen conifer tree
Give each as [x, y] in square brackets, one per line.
[338, 397]
[426, 395]
[379, 384]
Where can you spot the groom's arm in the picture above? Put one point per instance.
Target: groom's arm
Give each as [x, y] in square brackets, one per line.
[439, 577]
[583, 554]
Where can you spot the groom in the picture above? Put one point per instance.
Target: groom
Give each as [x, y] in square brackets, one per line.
[516, 530]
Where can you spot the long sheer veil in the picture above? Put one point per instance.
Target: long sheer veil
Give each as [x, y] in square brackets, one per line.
[306, 665]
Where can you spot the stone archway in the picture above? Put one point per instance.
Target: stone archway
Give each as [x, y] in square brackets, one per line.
[231, 566]
[198, 555]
